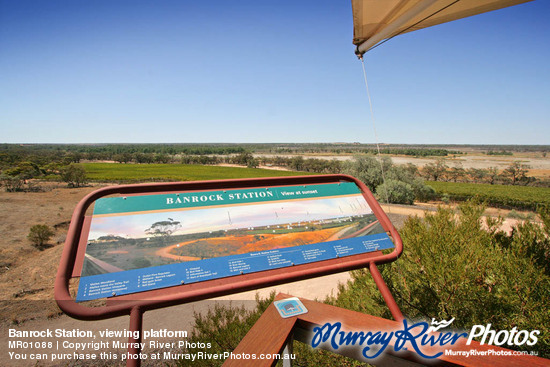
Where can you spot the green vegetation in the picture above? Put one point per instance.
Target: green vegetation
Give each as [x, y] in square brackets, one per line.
[73, 174]
[514, 174]
[396, 192]
[502, 152]
[12, 183]
[415, 152]
[173, 172]
[402, 185]
[107, 151]
[452, 266]
[515, 215]
[505, 196]
[23, 166]
[39, 235]
[223, 327]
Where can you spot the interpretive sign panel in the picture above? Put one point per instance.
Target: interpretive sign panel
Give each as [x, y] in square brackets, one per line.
[145, 242]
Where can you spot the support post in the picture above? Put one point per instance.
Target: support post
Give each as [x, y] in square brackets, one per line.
[384, 290]
[136, 326]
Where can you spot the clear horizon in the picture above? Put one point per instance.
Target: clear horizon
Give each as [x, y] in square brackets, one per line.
[249, 72]
[281, 142]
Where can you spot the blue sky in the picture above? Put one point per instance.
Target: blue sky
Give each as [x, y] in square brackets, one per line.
[256, 71]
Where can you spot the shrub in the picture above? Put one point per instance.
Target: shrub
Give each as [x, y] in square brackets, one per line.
[402, 185]
[225, 326]
[39, 235]
[74, 175]
[222, 327]
[453, 267]
[12, 183]
[367, 169]
[422, 192]
[396, 192]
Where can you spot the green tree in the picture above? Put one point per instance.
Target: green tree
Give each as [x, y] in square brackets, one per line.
[492, 175]
[25, 170]
[397, 192]
[435, 171]
[161, 158]
[74, 157]
[163, 229]
[253, 163]
[39, 235]
[74, 175]
[122, 157]
[243, 158]
[516, 172]
[297, 163]
[477, 174]
[143, 158]
[456, 173]
[12, 183]
[367, 169]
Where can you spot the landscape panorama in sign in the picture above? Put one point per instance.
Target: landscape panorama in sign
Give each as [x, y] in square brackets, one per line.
[146, 242]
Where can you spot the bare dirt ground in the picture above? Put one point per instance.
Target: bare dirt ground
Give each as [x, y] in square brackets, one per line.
[27, 273]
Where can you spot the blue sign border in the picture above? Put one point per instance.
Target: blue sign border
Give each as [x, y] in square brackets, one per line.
[145, 279]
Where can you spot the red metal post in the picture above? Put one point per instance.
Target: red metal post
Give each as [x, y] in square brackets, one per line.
[136, 326]
[384, 290]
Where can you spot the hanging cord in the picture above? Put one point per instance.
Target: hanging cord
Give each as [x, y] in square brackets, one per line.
[379, 156]
[395, 263]
[375, 133]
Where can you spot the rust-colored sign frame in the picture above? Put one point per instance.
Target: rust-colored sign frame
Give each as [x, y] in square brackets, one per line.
[135, 304]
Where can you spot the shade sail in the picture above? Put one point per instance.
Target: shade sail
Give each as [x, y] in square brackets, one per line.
[377, 20]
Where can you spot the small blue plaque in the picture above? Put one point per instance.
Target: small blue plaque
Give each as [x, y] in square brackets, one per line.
[290, 307]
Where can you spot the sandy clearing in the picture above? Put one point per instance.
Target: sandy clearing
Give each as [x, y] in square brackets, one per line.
[467, 161]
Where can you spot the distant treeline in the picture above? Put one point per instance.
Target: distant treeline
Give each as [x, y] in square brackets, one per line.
[21, 163]
[416, 152]
[43, 154]
[108, 150]
[390, 148]
[501, 152]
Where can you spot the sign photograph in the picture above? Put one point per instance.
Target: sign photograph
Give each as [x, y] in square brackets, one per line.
[139, 243]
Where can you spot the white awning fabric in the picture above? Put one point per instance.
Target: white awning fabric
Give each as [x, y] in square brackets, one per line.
[377, 20]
